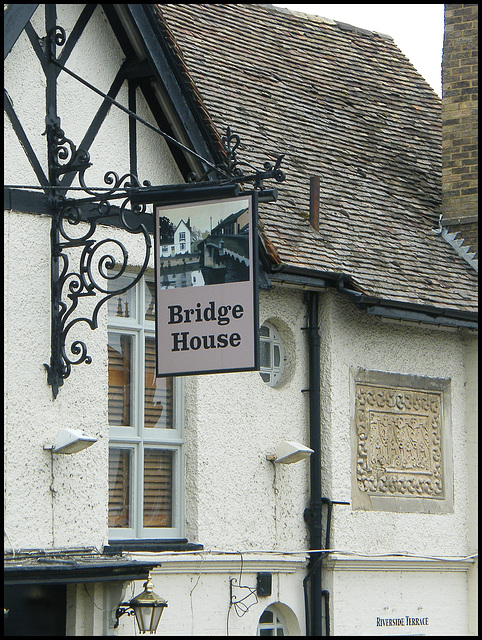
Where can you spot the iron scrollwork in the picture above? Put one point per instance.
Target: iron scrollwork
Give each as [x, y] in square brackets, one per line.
[233, 166]
[70, 286]
[234, 170]
[100, 263]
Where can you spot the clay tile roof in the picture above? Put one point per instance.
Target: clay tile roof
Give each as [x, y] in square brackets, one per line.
[344, 104]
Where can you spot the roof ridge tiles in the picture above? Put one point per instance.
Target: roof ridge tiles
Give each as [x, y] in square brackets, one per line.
[329, 21]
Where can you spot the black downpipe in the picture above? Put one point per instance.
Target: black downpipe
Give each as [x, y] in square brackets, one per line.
[313, 514]
[326, 595]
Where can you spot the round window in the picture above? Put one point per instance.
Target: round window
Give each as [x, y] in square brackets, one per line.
[271, 354]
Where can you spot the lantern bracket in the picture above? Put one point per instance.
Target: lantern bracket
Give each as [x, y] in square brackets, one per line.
[146, 601]
[123, 608]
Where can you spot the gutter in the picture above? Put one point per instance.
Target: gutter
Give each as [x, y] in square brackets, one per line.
[408, 311]
[62, 571]
[313, 279]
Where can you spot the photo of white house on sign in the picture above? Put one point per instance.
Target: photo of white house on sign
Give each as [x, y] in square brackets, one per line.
[209, 245]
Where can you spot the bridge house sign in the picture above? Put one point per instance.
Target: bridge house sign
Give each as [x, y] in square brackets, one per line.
[206, 286]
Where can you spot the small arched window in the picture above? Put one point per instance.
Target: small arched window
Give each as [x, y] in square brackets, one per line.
[271, 354]
[271, 623]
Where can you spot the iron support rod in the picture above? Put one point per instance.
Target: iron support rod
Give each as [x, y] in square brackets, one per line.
[54, 376]
[141, 120]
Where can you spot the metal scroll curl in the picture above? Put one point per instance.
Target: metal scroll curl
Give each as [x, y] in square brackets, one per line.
[101, 263]
[240, 171]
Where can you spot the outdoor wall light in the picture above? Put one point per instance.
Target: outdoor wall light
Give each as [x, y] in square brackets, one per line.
[289, 452]
[147, 607]
[70, 441]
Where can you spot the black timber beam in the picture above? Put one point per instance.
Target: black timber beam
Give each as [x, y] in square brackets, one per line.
[15, 19]
[25, 201]
[37, 202]
[144, 20]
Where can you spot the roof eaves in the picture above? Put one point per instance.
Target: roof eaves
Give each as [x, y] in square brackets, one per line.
[306, 278]
[146, 30]
[410, 311]
[189, 84]
[66, 567]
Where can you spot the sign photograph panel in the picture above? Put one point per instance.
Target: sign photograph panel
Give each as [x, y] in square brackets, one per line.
[206, 298]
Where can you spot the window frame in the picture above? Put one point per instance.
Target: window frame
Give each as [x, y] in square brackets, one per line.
[138, 437]
[274, 339]
[278, 622]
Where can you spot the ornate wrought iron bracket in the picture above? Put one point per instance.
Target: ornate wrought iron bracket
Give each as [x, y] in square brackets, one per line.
[241, 172]
[98, 269]
[75, 220]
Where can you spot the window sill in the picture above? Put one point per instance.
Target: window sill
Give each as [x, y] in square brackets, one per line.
[118, 546]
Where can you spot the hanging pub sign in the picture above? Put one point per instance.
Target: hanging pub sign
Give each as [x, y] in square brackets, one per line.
[206, 286]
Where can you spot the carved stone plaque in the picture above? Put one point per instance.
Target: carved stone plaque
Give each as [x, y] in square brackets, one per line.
[398, 433]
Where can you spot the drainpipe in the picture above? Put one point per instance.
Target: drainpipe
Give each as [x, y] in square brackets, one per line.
[313, 514]
[313, 604]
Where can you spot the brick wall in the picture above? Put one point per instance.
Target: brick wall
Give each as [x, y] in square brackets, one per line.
[459, 120]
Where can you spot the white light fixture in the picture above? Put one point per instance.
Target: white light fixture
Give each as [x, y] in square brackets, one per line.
[289, 452]
[71, 441]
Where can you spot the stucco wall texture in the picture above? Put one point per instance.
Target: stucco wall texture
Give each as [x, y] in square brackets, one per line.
[352, 339]
[236, 421]
[235, 499]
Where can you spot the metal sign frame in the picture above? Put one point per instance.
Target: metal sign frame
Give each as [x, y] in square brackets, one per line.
[206, 282]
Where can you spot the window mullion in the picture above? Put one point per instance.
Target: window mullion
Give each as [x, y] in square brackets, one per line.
[140, 381]
[139, 394]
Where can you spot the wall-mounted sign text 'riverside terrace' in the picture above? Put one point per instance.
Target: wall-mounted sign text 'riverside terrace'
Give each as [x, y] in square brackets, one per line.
[402, 621]
[206, 286]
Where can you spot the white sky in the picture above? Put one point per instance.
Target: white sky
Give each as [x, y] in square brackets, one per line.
[416, 28]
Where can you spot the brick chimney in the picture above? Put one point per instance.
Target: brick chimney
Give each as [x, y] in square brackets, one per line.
[459, 124]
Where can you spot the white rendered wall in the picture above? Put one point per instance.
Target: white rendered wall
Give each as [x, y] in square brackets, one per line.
[392, 600]
[235, 498]
[197, 590]
[74, 513]
[352, 339]
[472, 391]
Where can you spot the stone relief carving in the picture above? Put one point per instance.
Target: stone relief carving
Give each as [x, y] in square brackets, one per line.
[398, 441]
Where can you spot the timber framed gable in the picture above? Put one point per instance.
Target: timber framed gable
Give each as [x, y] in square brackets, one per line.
[144, 69]
[93, 102]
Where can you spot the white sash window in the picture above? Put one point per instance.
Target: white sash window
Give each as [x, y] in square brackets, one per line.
[146, 465]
